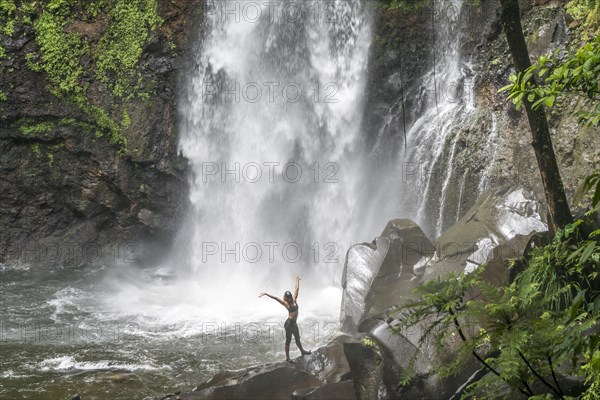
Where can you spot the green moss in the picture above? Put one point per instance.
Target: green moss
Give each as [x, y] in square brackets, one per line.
[67, 121]
[535, 36]
[28, 7]
[74, 122]
[35, 148]
[115, 57]
[125, 120]
[3, 96]
[586, 11]
[61, 54]
[7, 10]
[122, 44]
[106, 124]
[28, 128]
[368, 342]
[95, 8]
[7, 7]
[405, 5]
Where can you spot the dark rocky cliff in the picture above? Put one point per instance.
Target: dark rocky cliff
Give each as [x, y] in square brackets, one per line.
[75, 189]
[401, 54]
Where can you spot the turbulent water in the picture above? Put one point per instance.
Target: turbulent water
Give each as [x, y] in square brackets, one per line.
[71, 330]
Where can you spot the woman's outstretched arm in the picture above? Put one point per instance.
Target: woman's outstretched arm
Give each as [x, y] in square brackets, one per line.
[273, 297]
[297, 287]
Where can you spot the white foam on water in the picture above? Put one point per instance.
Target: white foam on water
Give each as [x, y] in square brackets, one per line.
[14, 267]
[70, 363]
[67, 300]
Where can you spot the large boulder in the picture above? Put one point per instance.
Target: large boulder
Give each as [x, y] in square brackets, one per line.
[500, 221]
[366, 364]
[381, 276]
[339, 390]
[324, 374]
[383, 273]
[276, 383]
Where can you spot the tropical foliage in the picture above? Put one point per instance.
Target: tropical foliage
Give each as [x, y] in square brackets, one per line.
[531, 334]
[560, 76]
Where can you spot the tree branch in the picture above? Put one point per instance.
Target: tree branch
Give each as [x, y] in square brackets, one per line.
[554, 375]
[541, 378]
[526, 392]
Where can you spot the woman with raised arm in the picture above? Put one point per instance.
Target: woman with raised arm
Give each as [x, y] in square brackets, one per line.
[291, 328]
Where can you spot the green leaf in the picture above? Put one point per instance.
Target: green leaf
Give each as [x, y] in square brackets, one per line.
[596, 198]
[549, 101]
[588, 252]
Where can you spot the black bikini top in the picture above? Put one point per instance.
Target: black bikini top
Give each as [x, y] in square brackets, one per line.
[292, 308]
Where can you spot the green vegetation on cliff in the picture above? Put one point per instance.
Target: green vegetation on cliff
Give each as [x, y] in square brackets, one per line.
[575, 75]
[121, 45]
[586, 11]
[60, 55]
[97, 43]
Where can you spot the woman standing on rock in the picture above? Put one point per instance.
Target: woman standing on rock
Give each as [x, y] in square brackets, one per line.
[291, 328]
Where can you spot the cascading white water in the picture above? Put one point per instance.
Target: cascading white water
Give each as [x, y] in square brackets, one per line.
[271, 131]
[419, 180]
[280, 180]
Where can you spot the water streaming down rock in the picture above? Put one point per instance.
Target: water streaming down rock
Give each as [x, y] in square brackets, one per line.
[422, 181]
[271, 130]
[491, 150]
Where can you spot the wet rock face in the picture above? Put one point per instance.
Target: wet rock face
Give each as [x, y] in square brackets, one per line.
[493, 149]
[70, 197]
[377, 275]
[327, 373]
[367, 367]
[359, 272]
[492, 229]
[545, 26]
[382, 276]
[399, 56]
[278, 383]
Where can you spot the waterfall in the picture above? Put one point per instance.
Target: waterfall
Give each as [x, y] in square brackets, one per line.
[422, 182]
[271, 128]
[282, 179]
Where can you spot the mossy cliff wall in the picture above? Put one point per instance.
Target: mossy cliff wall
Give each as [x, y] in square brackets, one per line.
[88, 139]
